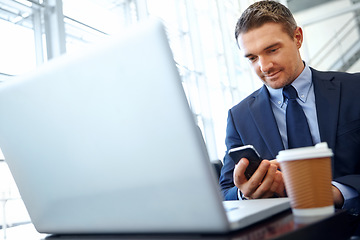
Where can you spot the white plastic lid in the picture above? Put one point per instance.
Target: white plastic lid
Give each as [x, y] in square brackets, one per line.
[320, 150]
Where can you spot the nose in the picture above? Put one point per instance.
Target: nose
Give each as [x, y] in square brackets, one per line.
[265, 64]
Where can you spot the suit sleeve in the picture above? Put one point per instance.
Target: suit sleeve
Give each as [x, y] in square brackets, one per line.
[346, 164]
[229, 190]
[346, 159]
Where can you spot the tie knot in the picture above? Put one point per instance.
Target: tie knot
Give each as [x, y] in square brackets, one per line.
[289, 92]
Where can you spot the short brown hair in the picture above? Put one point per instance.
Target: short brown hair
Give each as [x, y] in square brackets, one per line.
[263, 12]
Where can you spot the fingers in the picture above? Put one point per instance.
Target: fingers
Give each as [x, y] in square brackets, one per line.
[276, 163]
[250, 189]
[265, 182]
[266, 187]
[280, 191]
[278, 186]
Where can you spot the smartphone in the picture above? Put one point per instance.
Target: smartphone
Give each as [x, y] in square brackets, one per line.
[249, 152]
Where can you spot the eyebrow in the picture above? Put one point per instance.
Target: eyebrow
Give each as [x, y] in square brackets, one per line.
[271, 46]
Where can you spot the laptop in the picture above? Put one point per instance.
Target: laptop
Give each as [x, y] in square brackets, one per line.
[105, 142]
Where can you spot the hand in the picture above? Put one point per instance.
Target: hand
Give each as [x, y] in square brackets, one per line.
[264, 183]
[338, 197]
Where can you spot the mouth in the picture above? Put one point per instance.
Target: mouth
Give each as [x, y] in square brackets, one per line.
[272, 76]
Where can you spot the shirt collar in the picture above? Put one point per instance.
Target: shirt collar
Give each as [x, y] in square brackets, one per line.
[302, 85]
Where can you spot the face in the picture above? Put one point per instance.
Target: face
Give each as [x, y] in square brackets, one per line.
[273, 54]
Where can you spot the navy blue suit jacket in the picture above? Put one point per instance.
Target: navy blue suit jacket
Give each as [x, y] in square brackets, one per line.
[337, 98]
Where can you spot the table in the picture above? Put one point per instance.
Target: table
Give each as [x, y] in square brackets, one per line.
[281, 227]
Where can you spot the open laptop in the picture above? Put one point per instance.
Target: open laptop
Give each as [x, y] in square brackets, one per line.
[105, 142]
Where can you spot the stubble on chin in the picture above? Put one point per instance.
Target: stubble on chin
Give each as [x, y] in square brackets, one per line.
[275, 84]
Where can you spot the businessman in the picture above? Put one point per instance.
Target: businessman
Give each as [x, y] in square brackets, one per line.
[270, 39]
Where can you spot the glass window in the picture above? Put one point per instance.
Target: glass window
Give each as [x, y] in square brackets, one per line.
[17, 49]
[200, 35]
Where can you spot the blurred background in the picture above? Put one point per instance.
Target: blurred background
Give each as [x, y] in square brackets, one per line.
[214, 74]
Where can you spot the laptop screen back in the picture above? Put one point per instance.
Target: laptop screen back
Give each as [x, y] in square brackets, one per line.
[105, 142]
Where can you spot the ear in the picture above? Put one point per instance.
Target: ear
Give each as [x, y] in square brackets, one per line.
[298, 36]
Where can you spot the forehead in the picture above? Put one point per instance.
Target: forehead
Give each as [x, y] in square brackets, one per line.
[260, 38]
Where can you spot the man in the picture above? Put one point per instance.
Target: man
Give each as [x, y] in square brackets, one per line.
[270, 39]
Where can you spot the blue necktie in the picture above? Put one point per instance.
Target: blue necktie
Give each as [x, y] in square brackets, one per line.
[297, 127]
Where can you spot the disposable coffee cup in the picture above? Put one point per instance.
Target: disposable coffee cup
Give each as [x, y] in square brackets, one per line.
[307, 177]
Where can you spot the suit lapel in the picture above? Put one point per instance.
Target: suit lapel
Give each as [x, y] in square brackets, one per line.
[327, 98]
[264, 119]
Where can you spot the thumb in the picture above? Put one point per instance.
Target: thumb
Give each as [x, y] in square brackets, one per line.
[239, 172]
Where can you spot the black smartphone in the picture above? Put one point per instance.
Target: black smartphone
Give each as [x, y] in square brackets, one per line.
[249, 152]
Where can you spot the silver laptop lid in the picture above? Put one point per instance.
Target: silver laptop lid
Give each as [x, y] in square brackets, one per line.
[104, 142]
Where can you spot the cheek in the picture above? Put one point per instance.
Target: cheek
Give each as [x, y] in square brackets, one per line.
[257, 70]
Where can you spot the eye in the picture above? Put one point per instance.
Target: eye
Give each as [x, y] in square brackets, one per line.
[252, 59]
[272, 50]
